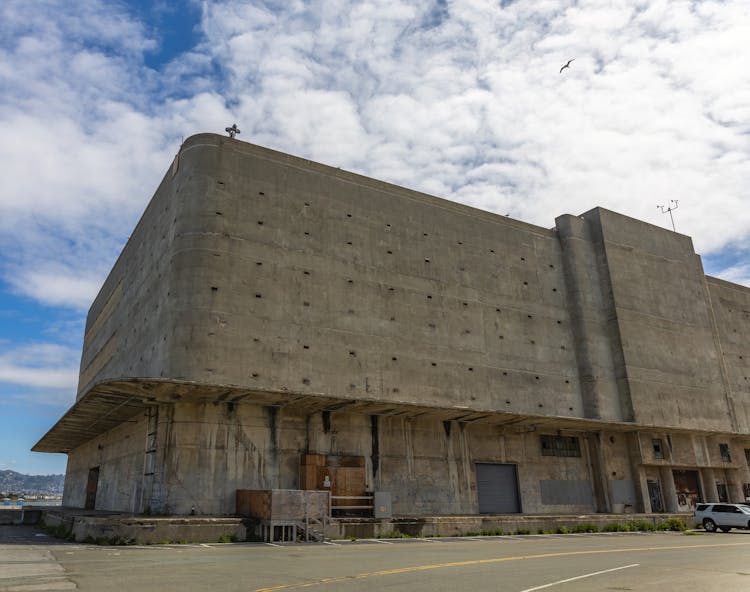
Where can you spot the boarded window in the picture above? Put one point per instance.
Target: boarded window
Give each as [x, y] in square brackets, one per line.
[747, 456]
[566, 493]
[623, 491]
[560, 446]
[725, 455]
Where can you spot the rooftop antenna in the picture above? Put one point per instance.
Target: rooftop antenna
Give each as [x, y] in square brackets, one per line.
[232, 131]
[670, 209]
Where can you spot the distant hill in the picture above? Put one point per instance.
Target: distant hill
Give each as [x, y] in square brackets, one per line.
[12, 482]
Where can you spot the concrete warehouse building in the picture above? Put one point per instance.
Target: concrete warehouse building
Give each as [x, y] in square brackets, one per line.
[277, 323]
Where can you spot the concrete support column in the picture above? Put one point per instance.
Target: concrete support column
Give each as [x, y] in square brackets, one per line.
[669, 491]
[642, 499]
[638, 472]
[708, 485]
[734, 487]
[597, 472]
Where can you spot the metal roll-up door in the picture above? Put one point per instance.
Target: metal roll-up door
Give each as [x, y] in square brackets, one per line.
[497, 489]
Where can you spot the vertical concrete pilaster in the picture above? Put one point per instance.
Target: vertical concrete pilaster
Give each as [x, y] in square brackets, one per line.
[669, 491]
[708, 485]
[597, 471]
[593, 320]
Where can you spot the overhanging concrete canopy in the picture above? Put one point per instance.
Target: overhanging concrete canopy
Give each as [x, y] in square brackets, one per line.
[109, 404]
[95, 413]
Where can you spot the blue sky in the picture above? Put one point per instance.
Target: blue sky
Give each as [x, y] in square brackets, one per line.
[461, 99]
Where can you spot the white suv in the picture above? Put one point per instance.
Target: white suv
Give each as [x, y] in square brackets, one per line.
[723, 516]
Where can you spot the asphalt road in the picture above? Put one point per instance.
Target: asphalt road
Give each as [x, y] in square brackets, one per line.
[557, 563]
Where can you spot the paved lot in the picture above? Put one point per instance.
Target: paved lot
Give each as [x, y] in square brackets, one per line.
[558, 563]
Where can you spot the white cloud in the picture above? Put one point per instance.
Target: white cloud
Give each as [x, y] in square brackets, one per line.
[41, 365]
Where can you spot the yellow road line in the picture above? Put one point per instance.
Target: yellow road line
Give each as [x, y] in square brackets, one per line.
[415, 568]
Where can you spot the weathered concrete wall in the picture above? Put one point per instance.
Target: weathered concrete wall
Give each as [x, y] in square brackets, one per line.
[731, 313]
[211, 450]
[285, 274]
[120, 455]
[129, 325]
[257, 269]
[208, 451]
[669, 355]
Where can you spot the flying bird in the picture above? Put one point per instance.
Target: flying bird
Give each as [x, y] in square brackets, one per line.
[566, 65]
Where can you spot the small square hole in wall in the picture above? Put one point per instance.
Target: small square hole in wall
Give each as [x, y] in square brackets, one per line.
[433, 364]
[526, 283]
[426, 259]
[523, 258]
[305, 303]
[260, 222]
[471, 369]
[394, 358]
[348, 215]
[492, 250]
[259, 263]
[214, 289]
[352, 353]
[505, 374]
[305, 381]
[425, 234]
[307, 204]
[307, 234]
[259, 295]
[305, 347]
[255, 375]
[349, 243]
[389, 252]
[306, 272]
[528, 316]
[395, 390]
[261, 193]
